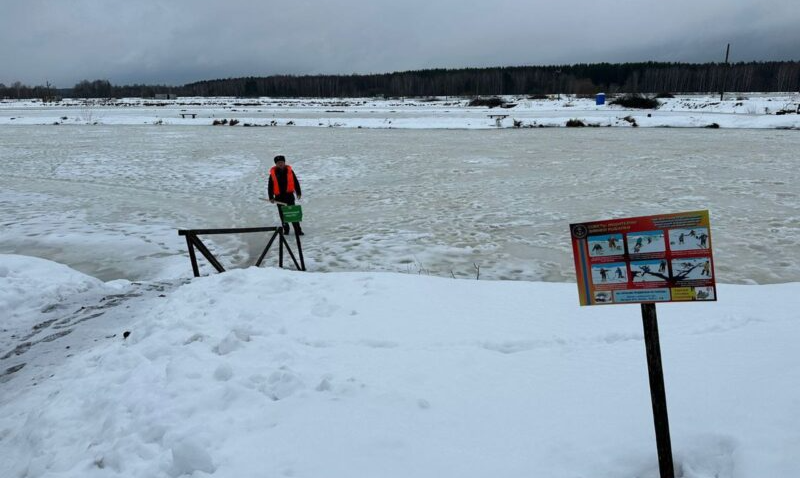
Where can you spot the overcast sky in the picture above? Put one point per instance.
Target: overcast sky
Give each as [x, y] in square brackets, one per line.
[180, 41]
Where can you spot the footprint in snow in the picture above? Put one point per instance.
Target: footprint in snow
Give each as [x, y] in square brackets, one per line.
[513, 346]
[378, 344]
[324, 386]
[230, 343]
[223, 373]
[324, 309]
[281, 384]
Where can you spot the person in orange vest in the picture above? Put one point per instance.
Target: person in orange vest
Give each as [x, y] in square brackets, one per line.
[282, 186]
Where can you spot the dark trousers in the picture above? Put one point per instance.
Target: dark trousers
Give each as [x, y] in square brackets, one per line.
[287, 198]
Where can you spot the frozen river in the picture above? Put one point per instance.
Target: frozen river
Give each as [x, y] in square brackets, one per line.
[107, 200]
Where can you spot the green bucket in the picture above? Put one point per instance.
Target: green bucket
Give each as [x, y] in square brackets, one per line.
[292, 213]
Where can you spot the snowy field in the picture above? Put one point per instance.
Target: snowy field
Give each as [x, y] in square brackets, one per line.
[262, 372]
[113, 363]
[107, 200]
[737, 110]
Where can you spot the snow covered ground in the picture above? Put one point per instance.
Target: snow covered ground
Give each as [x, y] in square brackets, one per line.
[263, 372]
[138, 371]
[750, 110]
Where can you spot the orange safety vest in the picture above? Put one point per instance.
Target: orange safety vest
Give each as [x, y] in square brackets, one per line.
[289, 180]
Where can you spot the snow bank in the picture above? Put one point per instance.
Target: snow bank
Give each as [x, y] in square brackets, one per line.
[30, 284]
[36, 296]
[751, 110]
[264, 372]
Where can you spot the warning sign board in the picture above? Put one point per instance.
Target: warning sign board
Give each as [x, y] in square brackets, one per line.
[665, 258]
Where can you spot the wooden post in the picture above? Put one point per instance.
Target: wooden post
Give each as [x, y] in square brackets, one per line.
[192, 257]
[658, 394]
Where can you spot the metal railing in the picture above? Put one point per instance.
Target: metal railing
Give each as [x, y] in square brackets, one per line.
[193, 242]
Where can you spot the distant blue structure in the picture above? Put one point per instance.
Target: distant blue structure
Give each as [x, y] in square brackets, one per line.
[600, 99]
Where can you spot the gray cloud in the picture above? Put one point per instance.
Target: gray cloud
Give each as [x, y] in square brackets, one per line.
[178, 41]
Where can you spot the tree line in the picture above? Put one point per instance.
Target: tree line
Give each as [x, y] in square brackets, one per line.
[645, 77]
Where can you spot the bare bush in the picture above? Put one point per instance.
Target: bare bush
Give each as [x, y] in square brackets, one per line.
[488, 102]
[635, 100]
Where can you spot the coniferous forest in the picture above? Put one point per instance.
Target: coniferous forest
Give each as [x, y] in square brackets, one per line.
[647, 77]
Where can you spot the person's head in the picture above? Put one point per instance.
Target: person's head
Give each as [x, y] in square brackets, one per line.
[280, 161]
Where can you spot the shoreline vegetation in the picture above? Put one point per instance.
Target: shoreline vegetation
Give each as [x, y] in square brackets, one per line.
[735, 111]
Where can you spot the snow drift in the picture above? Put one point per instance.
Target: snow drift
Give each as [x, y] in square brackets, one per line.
[265, 372]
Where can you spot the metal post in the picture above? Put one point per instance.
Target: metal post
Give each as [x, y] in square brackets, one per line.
[266, 249]
[192, 257]
[206, 253]
[299, 246]
[725, 73]
[280, 248]
[658, 394]
[291, 254]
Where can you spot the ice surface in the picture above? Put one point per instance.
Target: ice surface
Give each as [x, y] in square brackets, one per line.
[107, 200]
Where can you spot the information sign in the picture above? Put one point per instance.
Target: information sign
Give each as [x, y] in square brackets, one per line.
[292, 213]
[664, 258]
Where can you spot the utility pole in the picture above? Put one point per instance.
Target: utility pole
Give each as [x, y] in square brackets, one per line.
[725, 72]
[558, 83]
